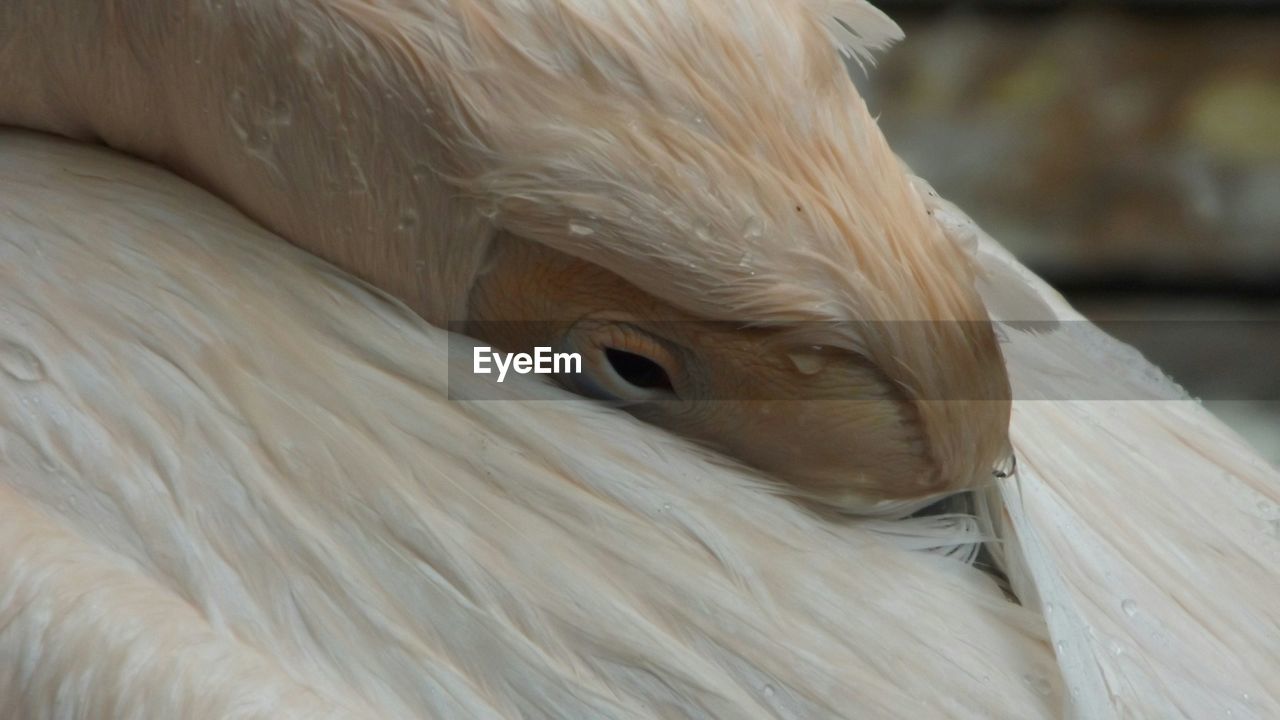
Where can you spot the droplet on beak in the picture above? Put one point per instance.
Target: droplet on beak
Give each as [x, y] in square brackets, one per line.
[808, 363]
[1006, 467]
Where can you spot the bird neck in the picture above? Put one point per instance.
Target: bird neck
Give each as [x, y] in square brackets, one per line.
[298, 114]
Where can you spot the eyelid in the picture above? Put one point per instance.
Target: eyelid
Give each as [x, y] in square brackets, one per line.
[628, 338]
[599, 379]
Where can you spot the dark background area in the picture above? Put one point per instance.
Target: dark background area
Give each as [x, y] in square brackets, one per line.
[1129, 152]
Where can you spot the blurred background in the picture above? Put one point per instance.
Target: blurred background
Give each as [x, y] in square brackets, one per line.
[1129, 152]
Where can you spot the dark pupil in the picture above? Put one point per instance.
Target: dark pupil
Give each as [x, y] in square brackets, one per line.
[638, 370]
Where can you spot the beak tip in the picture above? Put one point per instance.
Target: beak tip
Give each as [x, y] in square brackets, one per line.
[1000, 473]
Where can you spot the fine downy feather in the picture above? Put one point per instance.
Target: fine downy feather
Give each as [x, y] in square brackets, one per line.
[236, 475]
[1139, 529]
[354, 544]
[713, 153]
[1145, 531]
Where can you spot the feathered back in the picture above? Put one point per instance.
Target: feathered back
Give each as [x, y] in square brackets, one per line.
[213, 513]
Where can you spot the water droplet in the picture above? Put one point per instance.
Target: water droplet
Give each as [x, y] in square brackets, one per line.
[754, 228]
[666, 507]
[281, 114]
[1129, 607]
[581, 230]
[408, 220]
[1038, 684]
[1061, 646]
[258, 140]
[768, 691]
[807, 363]
[20, 363]
[1048, 609]
[359, 181]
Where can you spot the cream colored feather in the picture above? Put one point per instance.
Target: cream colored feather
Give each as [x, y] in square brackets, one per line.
[282, 495]
[1142, 528]
[234, 486]
[711, 152]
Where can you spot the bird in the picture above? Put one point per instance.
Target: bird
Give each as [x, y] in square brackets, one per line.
[242, 476]
[692, 197]
[255, 486]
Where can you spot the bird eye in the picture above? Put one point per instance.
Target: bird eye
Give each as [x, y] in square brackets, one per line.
[621, 363]
[638, 370]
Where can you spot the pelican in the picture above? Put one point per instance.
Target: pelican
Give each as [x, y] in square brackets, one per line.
[238, 482]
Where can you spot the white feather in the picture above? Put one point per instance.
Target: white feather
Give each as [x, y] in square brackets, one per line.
[1141, 526]
[857, 27]
[233, 485]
